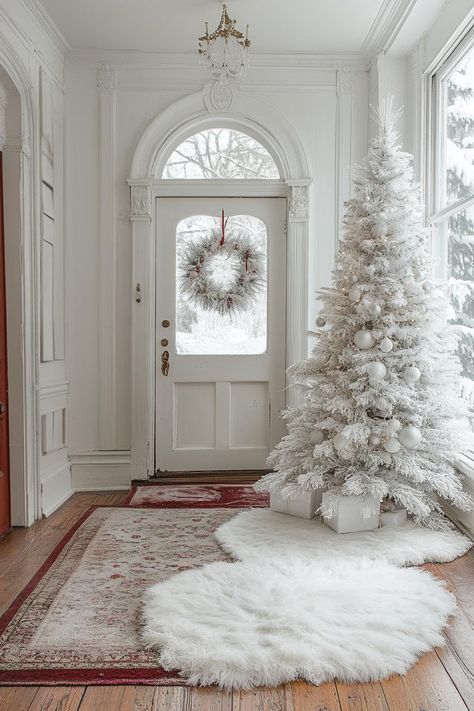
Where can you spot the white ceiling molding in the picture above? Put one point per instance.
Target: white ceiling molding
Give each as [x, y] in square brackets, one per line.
[188, 60]
[386, 26]
[47, 24]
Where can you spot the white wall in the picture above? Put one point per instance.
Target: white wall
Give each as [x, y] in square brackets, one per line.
[33, 59]
[326, 105]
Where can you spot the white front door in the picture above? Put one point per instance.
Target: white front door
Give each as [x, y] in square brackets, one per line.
[218, 407]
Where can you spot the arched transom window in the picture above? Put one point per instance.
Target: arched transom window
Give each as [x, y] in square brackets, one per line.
[223, 153]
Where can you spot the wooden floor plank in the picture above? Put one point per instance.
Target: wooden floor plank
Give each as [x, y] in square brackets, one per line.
[361, 697]
[168, 698]
[100, 698]
[306, 697]
[57, 698]
[275, 699]
[207, 699]
[17, 698]
[426, 687]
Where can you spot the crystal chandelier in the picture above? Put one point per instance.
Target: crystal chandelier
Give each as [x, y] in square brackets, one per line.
[224, 51]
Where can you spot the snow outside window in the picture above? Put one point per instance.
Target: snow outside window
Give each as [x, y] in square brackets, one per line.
[453, 213]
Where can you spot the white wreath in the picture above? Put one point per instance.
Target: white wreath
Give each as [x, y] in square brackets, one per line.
[247, 280]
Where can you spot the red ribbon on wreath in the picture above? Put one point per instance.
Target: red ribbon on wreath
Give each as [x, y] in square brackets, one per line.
[223, 226]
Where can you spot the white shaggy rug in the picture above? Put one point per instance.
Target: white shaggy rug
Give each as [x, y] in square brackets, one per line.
[258, 533]
[263, 623]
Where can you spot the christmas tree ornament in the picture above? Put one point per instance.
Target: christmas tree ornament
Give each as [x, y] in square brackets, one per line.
[392, 445]
[364, 339]
[316, 436]
[386, 345]
[320, 322]
[412, 374]
[410, 437]
[353, 279]
[393, 425]
[376, 457]
[355, 293]
[381, 403]
[428, 286]
[376, 370]
[374, 309]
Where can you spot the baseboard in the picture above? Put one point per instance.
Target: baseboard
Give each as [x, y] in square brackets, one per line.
[55, 489]
[101, 470]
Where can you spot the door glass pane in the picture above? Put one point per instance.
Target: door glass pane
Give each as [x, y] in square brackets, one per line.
[200, 331]
[460, 130]
[461, 292]
[220, 153]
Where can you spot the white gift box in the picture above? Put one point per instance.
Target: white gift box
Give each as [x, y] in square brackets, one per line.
[348, 517]
[395, 517]
[303, 505]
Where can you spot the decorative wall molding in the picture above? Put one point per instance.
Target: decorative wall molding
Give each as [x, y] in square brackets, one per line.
[298, 207]
[386, 26]
[219, 95]
[107, 91]
[106, 78]
[140, 200]
[345, 89]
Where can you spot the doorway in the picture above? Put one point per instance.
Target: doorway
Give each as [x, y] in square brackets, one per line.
[220, 379]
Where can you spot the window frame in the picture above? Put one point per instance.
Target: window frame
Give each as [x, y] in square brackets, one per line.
[437, 210]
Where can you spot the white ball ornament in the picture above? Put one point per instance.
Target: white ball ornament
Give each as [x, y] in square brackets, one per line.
[381, 403]
[364, 339]
[386, 345]
[393, 425]
[392, 445]
[355, 293]
[316, 436]
[410, 437]
[339, 441]
[374, 439]
[412, 374]
[353, 279]
[374, 309]
[376, 370]
[428, 286]
[320, 321]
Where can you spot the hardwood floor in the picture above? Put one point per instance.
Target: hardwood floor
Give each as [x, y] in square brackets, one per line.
[442, 681]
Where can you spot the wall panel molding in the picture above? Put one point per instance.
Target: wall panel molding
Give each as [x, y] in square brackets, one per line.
[100, 470]
[107, 94]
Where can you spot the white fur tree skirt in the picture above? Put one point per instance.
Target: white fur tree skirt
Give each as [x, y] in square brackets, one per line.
[259, 533]
[263, 623]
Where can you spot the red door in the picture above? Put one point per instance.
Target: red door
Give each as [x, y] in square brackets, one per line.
[4, 442]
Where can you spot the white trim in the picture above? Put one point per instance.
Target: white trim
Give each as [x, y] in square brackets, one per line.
[51, 509]
[185, 117]
[386, 26]
[225, 188]
[49, 26]
[100, 470]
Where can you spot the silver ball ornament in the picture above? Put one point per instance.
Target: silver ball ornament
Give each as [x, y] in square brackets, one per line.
[392, 445]
[316, 436]
[376, 370]
[339, 441]
[320, 321]
[355, 293]
[393, 425]
[353, 279]
[412, 374]
[386, 345]
[381, 403]
[364, 339]
[410, 436]
[374, 439]
[374, 309]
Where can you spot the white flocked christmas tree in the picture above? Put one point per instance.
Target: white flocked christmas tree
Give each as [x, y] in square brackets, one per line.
[381, 413]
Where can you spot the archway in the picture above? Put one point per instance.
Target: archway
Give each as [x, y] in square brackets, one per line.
[184, 118]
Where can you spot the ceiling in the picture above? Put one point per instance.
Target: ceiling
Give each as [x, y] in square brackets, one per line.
[174, 25]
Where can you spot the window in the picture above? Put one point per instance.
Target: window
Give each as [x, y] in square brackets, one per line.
[452, 211]
[219, 153]
[200, 332]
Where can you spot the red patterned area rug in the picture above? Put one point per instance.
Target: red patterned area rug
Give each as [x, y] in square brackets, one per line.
[78, 620]
[198, 496]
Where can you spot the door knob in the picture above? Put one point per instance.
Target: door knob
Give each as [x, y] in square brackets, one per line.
[3, 408]
[165, 362]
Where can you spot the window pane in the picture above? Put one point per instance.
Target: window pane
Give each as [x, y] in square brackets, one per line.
[204, 332]
[461, 292]
[220, 153]
[460, 130]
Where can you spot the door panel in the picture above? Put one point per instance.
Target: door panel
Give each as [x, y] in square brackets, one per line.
[4, 439]
[218, 406]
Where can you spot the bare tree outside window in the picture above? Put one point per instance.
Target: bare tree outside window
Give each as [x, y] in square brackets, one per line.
[220, 153]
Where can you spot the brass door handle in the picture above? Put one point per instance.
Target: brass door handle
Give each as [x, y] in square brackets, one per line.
[165, 362]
